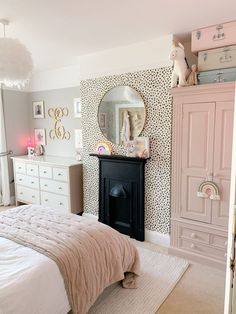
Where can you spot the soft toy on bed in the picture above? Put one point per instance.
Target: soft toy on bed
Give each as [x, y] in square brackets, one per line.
[180, 71]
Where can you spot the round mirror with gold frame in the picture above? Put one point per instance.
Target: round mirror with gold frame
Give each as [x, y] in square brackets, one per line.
[121, 114]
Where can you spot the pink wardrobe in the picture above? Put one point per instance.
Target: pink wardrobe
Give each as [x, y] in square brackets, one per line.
[201, 151]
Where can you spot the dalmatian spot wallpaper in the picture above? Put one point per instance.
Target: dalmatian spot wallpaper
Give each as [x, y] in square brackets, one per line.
[153, 86]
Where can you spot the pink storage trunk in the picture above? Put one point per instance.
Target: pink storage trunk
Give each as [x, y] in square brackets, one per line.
[214, 36]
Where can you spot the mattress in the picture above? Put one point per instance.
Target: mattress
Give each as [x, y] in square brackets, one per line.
[30, 283]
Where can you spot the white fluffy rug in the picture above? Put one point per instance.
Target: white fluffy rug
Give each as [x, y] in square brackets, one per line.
[160, 274]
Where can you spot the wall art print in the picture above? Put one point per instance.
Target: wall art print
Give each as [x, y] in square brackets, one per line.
[38, 109]
[153, 85]
[40, 136]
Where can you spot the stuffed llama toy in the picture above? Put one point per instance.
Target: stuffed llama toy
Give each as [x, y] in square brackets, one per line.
[180, 71]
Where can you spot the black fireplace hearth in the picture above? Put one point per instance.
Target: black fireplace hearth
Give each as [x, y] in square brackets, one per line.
[121, 193]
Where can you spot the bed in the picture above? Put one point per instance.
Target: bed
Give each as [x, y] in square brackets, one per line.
[53, 262]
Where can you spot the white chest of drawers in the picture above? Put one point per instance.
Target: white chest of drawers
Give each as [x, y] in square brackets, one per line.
[50, 181]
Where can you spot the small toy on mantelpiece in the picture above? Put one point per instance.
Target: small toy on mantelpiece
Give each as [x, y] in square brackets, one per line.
[192, 78]
[130, 149]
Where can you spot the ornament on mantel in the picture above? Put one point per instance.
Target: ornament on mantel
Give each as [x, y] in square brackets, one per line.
[16, 62]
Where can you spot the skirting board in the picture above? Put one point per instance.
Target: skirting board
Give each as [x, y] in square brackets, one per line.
[150, 236]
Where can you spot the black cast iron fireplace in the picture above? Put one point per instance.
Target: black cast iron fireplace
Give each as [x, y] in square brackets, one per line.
[121, 193]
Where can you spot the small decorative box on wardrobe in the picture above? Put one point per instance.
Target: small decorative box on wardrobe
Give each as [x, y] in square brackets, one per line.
[201, 165]
[214, 36]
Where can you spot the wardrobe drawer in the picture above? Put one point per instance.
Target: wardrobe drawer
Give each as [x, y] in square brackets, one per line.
[201, 249]
[45, 172]
[27, 195]
[218, 241]
[28, 181]
[60, 174]
[54, 201]
[194, 235]
[32, 170]
[54, 186]
[20, 167]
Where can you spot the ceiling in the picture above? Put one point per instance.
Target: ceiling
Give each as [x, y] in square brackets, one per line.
[57, 31]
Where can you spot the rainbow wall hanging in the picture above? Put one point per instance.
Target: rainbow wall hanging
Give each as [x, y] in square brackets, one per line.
[103, 148]
[209, 189]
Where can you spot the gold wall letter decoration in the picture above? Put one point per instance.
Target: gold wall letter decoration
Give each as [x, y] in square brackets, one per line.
[58, 131]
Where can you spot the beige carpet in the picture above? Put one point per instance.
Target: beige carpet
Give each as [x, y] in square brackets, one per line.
[160, 274]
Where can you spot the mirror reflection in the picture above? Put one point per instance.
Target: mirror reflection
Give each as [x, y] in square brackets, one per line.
[121, 114]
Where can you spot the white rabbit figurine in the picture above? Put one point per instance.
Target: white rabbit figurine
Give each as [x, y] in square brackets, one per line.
[180, 71]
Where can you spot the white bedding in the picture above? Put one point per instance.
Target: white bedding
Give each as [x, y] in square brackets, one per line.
[30, 283]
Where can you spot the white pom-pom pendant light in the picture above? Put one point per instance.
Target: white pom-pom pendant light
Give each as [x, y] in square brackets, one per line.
[16, 62]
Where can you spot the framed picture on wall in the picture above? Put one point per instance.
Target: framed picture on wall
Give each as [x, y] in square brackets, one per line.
[38, 109]
[142, 148]
[102, 118]
[78, 138]
[40, 136]
[77, 108]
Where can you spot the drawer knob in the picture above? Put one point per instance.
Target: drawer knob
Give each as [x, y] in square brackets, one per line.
[21, 193]
[32, 182]
[46, 200]
[45, 172]
[31, 169]
[45, 185]
[193, 246]
[19, 167]
[193, 235]
[20, 179]
[60, 203]
[33, 196]
[60, 188]
[59, 174]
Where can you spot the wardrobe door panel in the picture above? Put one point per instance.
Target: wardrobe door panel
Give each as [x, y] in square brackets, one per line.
[197, 158]
[222, 160]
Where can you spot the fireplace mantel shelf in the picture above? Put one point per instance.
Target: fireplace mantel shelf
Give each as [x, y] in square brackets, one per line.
[119, 157]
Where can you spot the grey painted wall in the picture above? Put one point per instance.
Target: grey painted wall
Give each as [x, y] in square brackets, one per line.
[16, 108]
[52, 99]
